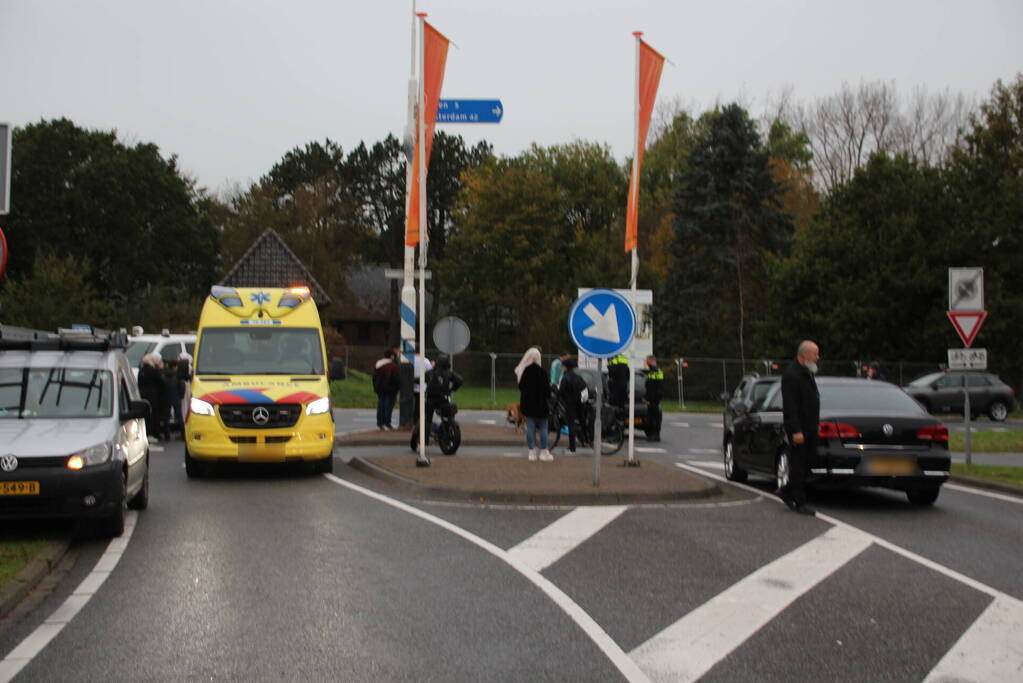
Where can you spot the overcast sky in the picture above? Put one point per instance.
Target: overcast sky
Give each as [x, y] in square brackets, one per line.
[230, 86]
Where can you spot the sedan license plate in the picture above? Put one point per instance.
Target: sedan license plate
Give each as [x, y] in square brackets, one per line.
[19, 488]
[891, 467]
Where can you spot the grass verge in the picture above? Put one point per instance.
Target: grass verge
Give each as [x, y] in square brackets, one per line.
[996, 473]
[988, 442]
[15, 554]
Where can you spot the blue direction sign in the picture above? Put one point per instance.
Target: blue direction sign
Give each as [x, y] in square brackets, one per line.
[602, 323]
[470, 111]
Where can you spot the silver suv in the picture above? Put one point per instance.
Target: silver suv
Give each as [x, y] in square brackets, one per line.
[72, 431]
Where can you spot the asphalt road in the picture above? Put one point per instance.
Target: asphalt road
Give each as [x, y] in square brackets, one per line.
[281, 575]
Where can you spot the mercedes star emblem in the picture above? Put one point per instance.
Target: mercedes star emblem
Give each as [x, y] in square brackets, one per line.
[888, 430]
[261, 415]
[8, 463]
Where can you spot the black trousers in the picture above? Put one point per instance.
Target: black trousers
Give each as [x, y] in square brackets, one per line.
[799, 465]
[572, 417]
[653, 417]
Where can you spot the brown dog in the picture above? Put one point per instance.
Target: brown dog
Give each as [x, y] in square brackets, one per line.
[514, 416]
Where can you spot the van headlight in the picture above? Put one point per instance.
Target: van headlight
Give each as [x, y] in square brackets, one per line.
[200, 407]
[319, 406]
[94, 455]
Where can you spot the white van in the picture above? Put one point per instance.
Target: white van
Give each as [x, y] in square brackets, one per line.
[166, 344]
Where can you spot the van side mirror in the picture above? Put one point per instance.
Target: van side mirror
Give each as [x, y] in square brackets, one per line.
[137, 410]
[337, 369]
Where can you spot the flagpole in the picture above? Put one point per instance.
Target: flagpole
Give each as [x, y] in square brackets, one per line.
[422, 234]
[631, 458]
[407, 308]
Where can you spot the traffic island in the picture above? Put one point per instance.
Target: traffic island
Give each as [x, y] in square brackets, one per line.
[472, 435]
[568, 480]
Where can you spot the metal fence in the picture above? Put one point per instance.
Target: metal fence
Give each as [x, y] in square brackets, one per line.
[690, 379]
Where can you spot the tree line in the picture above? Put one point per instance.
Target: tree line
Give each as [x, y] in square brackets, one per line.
[834, 220]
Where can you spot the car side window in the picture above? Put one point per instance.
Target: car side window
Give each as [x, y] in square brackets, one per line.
[950, 381]
[740, 390]
[977, 381]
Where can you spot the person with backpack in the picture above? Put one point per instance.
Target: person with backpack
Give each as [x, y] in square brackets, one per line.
[386, 382]
[571, 390]
[441, 382]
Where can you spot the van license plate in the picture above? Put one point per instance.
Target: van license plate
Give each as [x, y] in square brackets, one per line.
[19, 488]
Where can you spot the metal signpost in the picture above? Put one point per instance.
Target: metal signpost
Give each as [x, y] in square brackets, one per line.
[601, 323]
[5, 168]
[470, 111]
[966, 311]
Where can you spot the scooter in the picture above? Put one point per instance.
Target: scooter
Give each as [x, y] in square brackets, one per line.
[448, 433]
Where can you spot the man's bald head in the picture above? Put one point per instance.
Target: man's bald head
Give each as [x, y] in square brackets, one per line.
[808, 354]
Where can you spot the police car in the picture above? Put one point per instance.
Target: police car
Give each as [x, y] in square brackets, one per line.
[72, 428]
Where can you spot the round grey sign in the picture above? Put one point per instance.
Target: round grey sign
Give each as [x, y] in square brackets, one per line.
[451, 335]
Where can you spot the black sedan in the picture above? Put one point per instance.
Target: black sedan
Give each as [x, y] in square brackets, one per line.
[871, 434]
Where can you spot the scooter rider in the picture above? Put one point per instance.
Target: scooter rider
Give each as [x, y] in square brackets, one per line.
[441, 382]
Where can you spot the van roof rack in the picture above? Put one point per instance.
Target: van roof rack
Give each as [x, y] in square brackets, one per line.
[75, 338]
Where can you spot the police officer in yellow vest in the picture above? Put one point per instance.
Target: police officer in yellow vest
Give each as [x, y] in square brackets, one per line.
[654, 394]
[618, 376]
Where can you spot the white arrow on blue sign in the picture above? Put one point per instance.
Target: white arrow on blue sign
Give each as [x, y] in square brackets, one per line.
[470, 111]
[602, 323]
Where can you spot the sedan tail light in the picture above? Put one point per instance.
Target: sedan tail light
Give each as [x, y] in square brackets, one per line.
[933, 433]
[837, 430]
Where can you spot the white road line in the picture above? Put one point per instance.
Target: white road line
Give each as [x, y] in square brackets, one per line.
[708, 463]
[364, 419]
[982, 492]
[716, 425]
[34, 643]
[550, 544]
[705, 451]
[692, 645]
[486, 422]
[599, 636]
[679, 424]
[649, 449]
[990, 650]
[156, 449]
[1014, 604]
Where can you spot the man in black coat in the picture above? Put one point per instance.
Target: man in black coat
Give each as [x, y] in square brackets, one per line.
[653, 395]
[801, 407]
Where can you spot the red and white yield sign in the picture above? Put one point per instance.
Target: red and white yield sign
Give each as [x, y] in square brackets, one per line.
[966, 302]
[967, 324]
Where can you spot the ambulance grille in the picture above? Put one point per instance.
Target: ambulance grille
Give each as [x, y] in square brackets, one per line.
[249, 415]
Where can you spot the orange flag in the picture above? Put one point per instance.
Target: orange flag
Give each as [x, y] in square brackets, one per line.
[650, 65]
[435, 56]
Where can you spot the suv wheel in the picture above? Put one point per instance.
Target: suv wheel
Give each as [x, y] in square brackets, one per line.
[193, 468]
[998, 411]
[732, 471]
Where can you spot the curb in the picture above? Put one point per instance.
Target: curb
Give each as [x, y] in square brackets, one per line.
[30, 575]
[988, 485]
[484, 496]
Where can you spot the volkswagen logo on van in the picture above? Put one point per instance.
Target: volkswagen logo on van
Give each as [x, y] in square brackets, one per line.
[261, 415]
[887, 429]
[8, 463]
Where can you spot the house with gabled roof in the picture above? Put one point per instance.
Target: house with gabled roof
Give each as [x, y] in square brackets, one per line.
[269, 262]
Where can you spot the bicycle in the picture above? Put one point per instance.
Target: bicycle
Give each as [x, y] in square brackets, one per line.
[612, 427]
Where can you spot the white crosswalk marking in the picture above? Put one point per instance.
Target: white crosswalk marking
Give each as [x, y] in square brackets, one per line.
[649, 449]
[708, 463]
[553, 542]
[705, 451]
[487, 422]
[990, 650]
[680, 424]
[694, 644]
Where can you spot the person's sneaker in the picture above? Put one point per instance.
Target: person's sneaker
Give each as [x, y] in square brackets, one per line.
[532, 455]
[805, 510]
[546, 456]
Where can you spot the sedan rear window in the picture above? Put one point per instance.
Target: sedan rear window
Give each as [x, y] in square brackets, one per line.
[873, 397]
[27, 393]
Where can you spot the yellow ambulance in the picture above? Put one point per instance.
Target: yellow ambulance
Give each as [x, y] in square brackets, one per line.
[260, 384]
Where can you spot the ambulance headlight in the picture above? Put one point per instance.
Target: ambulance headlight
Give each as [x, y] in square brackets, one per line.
[319, 406]
[200, 407]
